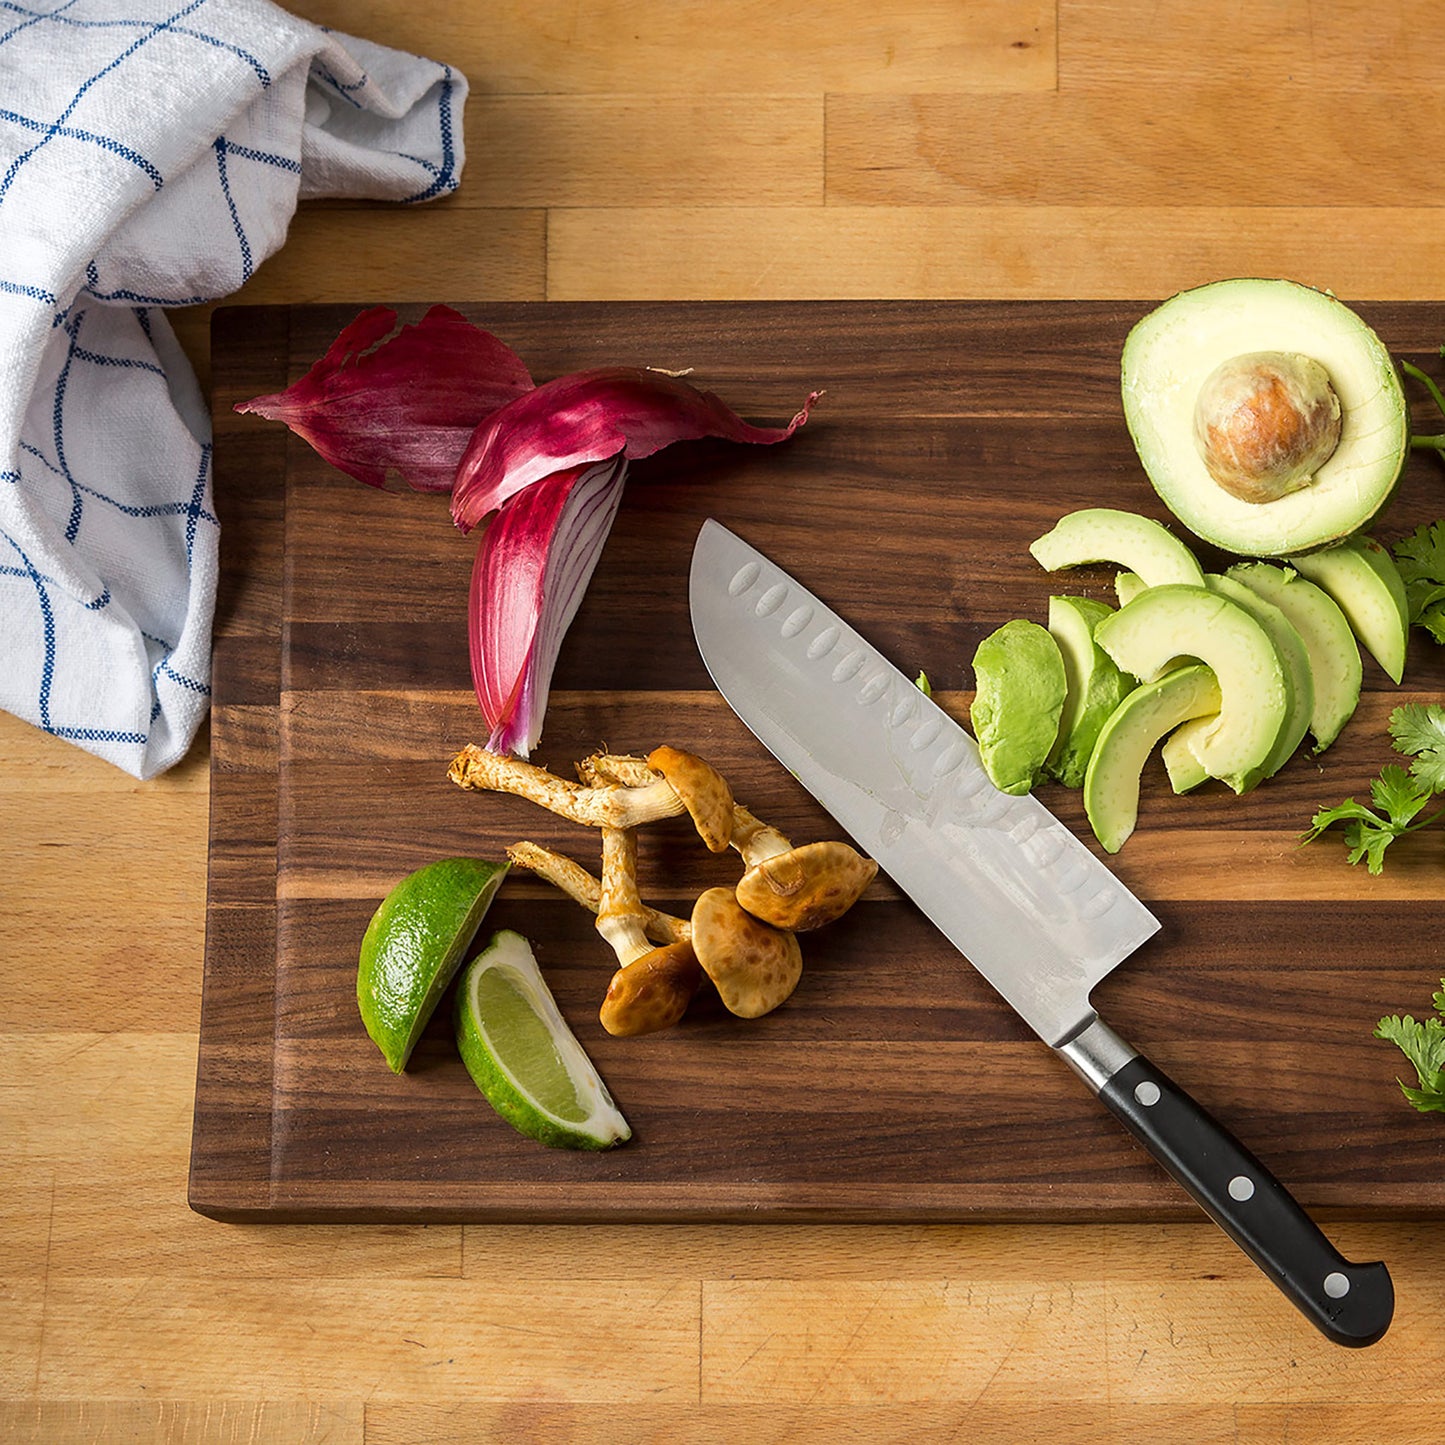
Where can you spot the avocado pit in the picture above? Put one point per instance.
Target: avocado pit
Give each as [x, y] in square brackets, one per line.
[1265, 423]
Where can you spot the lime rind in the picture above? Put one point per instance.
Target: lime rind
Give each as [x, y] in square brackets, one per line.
[413, 946]
[491, 1063]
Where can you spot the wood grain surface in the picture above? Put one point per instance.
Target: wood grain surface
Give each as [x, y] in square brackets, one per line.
[665, 151]
[894, 1085]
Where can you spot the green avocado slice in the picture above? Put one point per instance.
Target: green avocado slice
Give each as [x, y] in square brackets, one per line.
[1105, 534]
[1334, 654]
[1186, 772]
[1111, 784]
[1163, 624]
[1363, 579]
[1094, 685]
[1174, 350]
[1019, 698]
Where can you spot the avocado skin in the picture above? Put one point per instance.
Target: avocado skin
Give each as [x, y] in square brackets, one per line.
[1019, 698]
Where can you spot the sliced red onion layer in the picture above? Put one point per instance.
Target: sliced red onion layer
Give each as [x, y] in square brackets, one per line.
[410, 405]
[533, 565]
[590, 416]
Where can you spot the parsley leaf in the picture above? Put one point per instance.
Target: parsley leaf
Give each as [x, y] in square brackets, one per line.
[1423, 1044]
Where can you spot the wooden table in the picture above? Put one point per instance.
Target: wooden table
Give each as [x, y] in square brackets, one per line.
[1009, 148]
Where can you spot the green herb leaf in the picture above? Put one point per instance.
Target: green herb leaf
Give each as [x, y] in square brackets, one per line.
[1368, 841]
[1418, 730]
[1421, 560]
[1432, 619]
[1421, 556]
[922, 683]
[1398, 795]
[1423, 1044]
[1423, 596]
[1416, 726]
[1340, 813]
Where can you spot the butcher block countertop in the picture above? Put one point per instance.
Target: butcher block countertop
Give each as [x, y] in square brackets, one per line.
[193, 1243]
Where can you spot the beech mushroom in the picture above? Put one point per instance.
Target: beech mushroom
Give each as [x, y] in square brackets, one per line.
[793, 888]
[654, 984]
[796, 888]
[607, 806]
[703, 790]
[754, 966]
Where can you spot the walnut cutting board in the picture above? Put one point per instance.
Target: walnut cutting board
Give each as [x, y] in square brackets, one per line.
[894, 1085]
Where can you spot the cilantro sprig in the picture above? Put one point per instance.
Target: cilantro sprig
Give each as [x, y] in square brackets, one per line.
[1399, 795]
[1421, 560]
[1423, 1044]
[1421, 556]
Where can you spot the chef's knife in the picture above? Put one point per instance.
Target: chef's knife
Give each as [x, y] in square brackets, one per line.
[1007, 884]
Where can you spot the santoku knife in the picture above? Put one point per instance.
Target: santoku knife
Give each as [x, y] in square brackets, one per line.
[1012, 888]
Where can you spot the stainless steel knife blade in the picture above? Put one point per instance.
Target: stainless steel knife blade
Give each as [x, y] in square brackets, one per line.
[1006, 882]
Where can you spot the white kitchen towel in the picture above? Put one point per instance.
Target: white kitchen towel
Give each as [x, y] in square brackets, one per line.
[151, 155]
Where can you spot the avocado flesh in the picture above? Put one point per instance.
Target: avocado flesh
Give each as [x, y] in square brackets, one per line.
[1127, 586]
[1169, 354]
[1019, 698]
[1334, 654]
[1111, 784]
[1181, 757]
[1363, 579]
[1105, 534]
[1164, 623]
[1094, 685]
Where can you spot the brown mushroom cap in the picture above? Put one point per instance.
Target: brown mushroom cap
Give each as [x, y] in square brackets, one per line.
[703, 790]
[807, 886]
[755, 967]
[652, 993]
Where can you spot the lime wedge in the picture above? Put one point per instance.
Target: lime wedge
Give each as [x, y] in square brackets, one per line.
[523, 1057]
[413, 945]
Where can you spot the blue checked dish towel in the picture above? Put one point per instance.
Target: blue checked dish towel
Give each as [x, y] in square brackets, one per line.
[152, 155]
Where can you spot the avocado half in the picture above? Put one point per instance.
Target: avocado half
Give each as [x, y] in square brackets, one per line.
[1186, 342]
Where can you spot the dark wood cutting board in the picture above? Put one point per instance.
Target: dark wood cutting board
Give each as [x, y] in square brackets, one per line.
[894, 1085]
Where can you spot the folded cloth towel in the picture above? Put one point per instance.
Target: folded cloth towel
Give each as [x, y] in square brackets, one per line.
[151, 155]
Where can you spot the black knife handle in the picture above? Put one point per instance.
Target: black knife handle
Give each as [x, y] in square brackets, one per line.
[1349, 1303]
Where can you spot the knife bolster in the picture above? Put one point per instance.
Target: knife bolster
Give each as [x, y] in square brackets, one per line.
[1096, 1053]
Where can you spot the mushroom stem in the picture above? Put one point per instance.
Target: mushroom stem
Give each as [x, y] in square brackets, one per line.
[791, 888]
[754, 965]
[597, 807]
[755, 840]
[619, 909]
[580, 885]
[749, 835]
[701, 789]
[653, 985]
